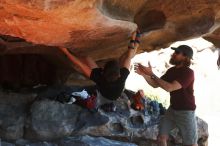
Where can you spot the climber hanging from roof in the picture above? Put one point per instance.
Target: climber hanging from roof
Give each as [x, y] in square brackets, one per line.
[110, 80]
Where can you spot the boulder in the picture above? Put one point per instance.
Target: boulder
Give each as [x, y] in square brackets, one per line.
[13, 113]
[6, 144]
[12, 121]
[92, 141]
[44, 121]
[70, 141]
[134, 125]
[51, 119]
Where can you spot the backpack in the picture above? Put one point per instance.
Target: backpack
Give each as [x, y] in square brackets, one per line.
[89, 103]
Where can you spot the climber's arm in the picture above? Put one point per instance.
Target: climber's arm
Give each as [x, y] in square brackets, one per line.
[125, 59]
[86, 67]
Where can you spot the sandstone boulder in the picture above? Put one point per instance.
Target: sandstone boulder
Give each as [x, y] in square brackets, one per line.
[13, 113]
[70, 141]
[50, 119]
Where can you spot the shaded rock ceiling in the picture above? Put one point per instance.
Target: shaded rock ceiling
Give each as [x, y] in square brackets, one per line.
[100, 27]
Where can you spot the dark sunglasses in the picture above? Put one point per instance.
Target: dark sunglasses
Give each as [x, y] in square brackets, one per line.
[178, 52]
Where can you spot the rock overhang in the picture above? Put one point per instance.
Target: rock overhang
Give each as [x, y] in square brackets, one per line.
[101, 28]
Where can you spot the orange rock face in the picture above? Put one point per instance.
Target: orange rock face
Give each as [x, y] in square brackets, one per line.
[92, 26]
[74, 24]
[101, 28]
